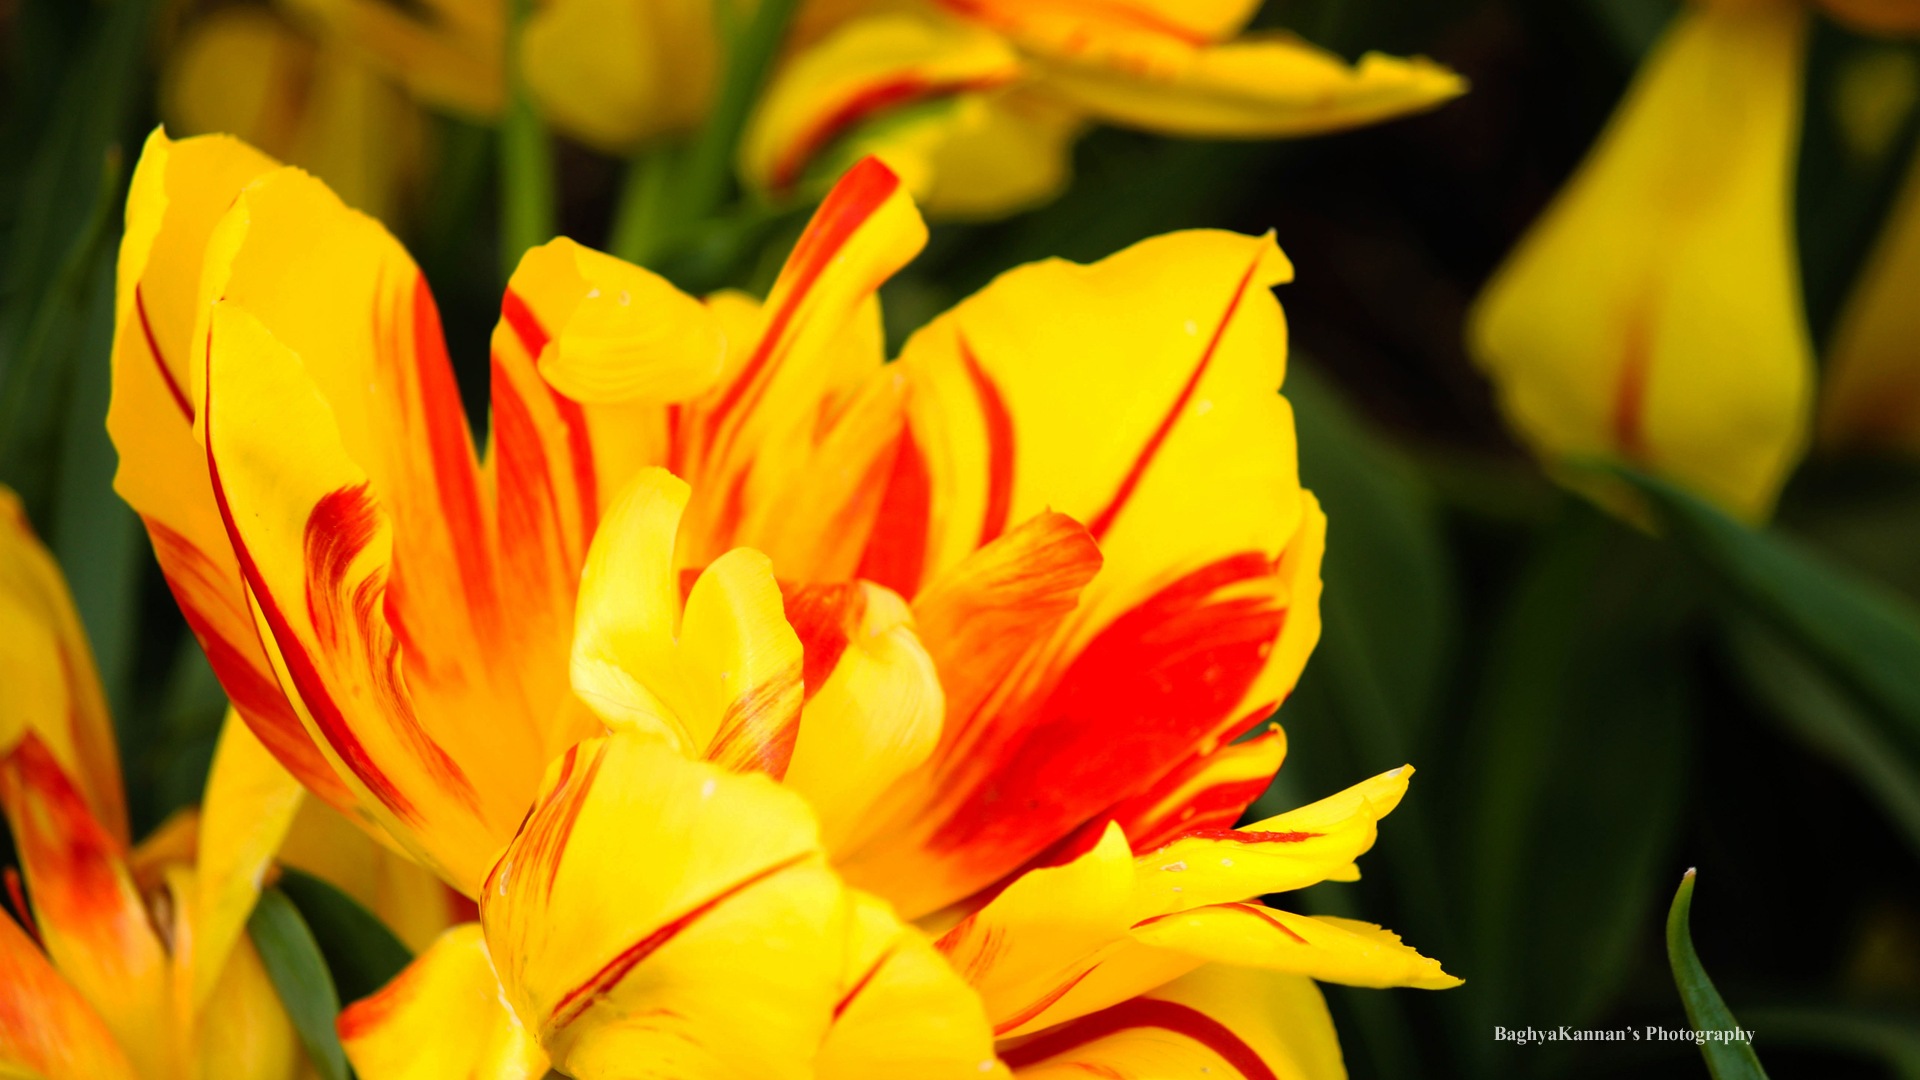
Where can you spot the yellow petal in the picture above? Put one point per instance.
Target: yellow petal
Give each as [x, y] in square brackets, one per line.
[244, 71]
[48, 684]
[616, 72]
[1031, 943]
[997, 154]
[1281, 853]
[445, 52]
[1017, 408]
[1219, 1022]
[312, 541]
[1331, 950]
[1653, 313]
[1209, 791]
[244, 1030]
[443, 1016]
[863, 70]
[904, 1011]
[627, 334]
[725, 680]
[1872, 393]
[873, 704]
[179, 191]
[248, 807]
[47, 1029]
[409, 898]
[650, 902]
[1050, 26]
[1255, 87]
[85, 905]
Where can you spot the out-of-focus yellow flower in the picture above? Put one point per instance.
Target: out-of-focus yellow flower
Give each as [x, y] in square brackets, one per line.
[975, 104]
[128, 963]
[978, 131]
[969, 699]
[1653, 314]
[1871, 397]
[339, 87]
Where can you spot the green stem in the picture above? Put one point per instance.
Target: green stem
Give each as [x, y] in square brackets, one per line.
[642, 225]
[708, 179]
[527, 210]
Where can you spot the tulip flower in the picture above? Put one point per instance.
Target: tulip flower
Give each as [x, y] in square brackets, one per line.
[1653, 314]
[128, 961]
[340, 87]
[946, 681]
[975, 104]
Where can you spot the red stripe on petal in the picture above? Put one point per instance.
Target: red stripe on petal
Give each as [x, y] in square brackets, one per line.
[846, 1001]
[1143, 1013]
[455, 469]
[820, 615]
[1000, 455]
[159, 358]
[524, 324]
[896, 552]
[1164, 676]
[582, 997]
[879, 97]
[1045, 1002]
[853, 201]
[1104, 520]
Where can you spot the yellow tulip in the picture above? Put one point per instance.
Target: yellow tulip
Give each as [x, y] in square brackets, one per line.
[131, 962]
[339, 87]
[1653, 314]
[869, 666]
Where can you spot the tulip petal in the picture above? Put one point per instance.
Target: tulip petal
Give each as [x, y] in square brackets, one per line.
[1208, 791]
[317, 551]
[247, 72]
[47, 1029]
[1254, 87]
[409, 898]
[443, 1016]
[1287, 851]
[1653, 314]
[1234, 1023]
[179, 190]
[873, 704]
[249, 805]
[627, 333]
[1233, 581]
[649, 902]
[48, 683]
[864, 69]
[1031, 944]
[613, 73]
[445, 52]
[904, 1011]
[725, 680]
[1327, 949]
[88, 912]
[1871, 396]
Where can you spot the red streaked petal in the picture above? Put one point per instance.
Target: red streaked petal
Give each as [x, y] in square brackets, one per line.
[86, 907]
[46, 1028]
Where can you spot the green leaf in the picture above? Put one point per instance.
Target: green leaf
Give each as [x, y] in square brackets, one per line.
[1892, 1039]
[1861, 636]
[1797, 693]
[1726, 1059]
[1574, 761]
[299, 973]
[360, 951]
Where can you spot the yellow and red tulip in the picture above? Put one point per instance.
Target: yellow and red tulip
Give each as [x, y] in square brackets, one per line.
[878, 592]
[1653, 315]
[126, 961]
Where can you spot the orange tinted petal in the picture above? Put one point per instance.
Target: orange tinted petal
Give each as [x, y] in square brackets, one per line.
[85, 905]
[46, 1027]
[48, 684]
